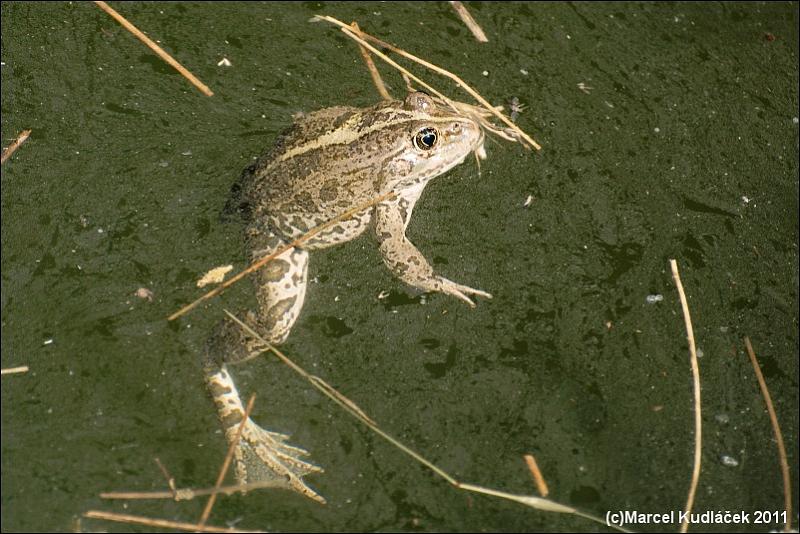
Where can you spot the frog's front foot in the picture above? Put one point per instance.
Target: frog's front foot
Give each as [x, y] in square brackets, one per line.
[264, 456]
[461, 292]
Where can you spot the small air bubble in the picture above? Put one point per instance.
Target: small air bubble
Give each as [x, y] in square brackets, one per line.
[730, 461]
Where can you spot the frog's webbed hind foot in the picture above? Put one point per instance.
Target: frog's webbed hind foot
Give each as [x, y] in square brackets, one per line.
[264, 456]
[461, 292]
[260, 456]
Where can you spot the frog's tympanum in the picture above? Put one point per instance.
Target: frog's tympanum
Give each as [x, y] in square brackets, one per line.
[327, 162]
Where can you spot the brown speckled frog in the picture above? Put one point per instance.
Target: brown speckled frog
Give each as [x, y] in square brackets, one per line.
[328, 162]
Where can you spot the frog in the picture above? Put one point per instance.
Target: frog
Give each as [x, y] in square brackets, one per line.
[327, 162]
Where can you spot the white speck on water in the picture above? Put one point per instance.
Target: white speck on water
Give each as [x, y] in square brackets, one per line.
[48, 341]
[528, 201]
[656, 129]
[745, 199]
[730, 461]
[700, 353]
[652, 299]
[795, 120]
[723, 329]
[524, 72]
[336, 298]
[383, 294]
[485, 73]
[224, 62]
[722, 418]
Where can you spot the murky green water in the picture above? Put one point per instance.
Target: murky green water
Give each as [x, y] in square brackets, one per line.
[682, 144]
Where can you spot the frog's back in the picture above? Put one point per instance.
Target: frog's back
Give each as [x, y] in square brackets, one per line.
[262, 183]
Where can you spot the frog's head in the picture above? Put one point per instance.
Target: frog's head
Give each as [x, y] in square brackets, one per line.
[432, 139]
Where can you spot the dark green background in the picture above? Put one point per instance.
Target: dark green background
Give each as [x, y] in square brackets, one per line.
[686, 147]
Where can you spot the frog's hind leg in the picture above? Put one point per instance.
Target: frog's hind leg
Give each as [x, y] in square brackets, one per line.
[261, 455]
[280, 288]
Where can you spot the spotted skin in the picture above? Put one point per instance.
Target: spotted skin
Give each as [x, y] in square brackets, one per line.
[329, 161]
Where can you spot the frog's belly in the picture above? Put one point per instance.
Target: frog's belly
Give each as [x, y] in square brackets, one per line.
[291, 227]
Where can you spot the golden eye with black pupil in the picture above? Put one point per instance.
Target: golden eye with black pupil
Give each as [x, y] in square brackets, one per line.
[426, 138]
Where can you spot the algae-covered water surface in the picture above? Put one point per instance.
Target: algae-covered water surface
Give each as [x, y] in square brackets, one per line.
[668, 131]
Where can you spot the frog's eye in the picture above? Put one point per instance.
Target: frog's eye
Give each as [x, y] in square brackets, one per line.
[426, 138]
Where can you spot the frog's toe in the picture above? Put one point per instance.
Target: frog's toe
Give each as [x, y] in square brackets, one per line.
[262, 456]
[462, 292]
[479, 293]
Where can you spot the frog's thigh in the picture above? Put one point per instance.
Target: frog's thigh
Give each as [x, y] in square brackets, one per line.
[280, 291]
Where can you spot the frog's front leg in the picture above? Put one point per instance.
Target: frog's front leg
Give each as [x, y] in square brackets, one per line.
[403, 258]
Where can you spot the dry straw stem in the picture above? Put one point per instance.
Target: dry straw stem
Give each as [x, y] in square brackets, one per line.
[15, 370]
[361, 39]
[266, 259]
[698, 421]
[541, 485]
[155, 48]
[21, 138]
[352, 408]
[157, 523]
[169, 478]
[776, 429]
[226, 464]
[373, 70]
[476, 30]
[186, 494]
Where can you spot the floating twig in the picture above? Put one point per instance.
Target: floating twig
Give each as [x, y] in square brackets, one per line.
[21, 138]
[476, 30]
[698, 420]
[361, 39]
[170, 479]
[15, 370]
[188, 494]
[226, 464]
[541, 485]
[155, 48]
[776, 429]
[266, 259]
[352, 408]
[158, 523]
[373, 70]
